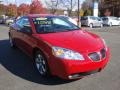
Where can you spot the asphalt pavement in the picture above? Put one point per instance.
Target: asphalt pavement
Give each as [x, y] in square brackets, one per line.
[18, 73]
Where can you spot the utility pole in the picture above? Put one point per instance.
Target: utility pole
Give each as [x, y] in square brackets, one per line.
[78, 13]
[16, 7]
[71, 3]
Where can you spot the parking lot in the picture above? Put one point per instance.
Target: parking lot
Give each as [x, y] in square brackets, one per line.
[17, 71]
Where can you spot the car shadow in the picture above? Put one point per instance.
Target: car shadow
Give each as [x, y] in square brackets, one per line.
[21, 65]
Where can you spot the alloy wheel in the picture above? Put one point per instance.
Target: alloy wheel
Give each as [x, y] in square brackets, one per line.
[41, 64]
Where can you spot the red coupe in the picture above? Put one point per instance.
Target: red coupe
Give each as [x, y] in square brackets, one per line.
[58, 47]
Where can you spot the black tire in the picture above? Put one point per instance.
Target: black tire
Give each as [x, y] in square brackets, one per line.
[41, 64]
[12, 45]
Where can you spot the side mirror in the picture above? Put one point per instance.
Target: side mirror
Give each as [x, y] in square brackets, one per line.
[26, 29]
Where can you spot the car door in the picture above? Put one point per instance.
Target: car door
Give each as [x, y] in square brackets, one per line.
[15, 32]
[114, 21]
[117, 21]
[94, 21]
[27, 39]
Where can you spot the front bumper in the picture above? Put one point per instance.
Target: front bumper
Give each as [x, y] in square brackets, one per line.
[71, 69]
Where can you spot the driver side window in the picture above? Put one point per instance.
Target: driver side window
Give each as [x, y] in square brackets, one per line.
[25, 21]
[22, 22]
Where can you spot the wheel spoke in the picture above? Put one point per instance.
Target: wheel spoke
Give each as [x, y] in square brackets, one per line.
[43, 62]
[40, 64]
[43, 69]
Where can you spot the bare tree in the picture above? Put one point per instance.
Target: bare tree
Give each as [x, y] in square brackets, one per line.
[69, 5]
[87, 7]
[52, 5]
[88, 4]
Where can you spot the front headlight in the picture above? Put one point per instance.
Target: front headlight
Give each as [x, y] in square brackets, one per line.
[67, 54]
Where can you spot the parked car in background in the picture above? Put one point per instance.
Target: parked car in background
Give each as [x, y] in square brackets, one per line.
[111, 21]
[70, 19]
[119, 18]
[91, 21]
[59, 47]
[9, 21]
[2, 20]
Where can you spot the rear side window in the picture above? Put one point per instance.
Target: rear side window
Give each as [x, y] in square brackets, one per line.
[18, 22]
[22, 21]
[99, 19]
[93, 18]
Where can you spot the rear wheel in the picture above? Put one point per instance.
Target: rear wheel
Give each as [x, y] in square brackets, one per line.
[41, 64]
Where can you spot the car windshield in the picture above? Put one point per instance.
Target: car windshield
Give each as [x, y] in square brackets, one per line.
[53, 24]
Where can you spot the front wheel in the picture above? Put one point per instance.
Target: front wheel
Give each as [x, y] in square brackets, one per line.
[41, 64]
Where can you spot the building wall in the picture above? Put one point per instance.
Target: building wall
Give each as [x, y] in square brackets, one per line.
[110, 8]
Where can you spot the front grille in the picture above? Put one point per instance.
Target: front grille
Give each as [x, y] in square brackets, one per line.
[103, 53]
[94, 56]
[97, 56]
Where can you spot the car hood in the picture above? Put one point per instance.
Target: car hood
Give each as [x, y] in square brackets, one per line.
[77, 40]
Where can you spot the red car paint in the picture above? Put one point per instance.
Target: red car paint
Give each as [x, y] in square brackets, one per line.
[80, 41]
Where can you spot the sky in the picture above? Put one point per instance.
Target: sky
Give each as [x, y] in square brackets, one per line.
[25, 1]
[29, 2]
